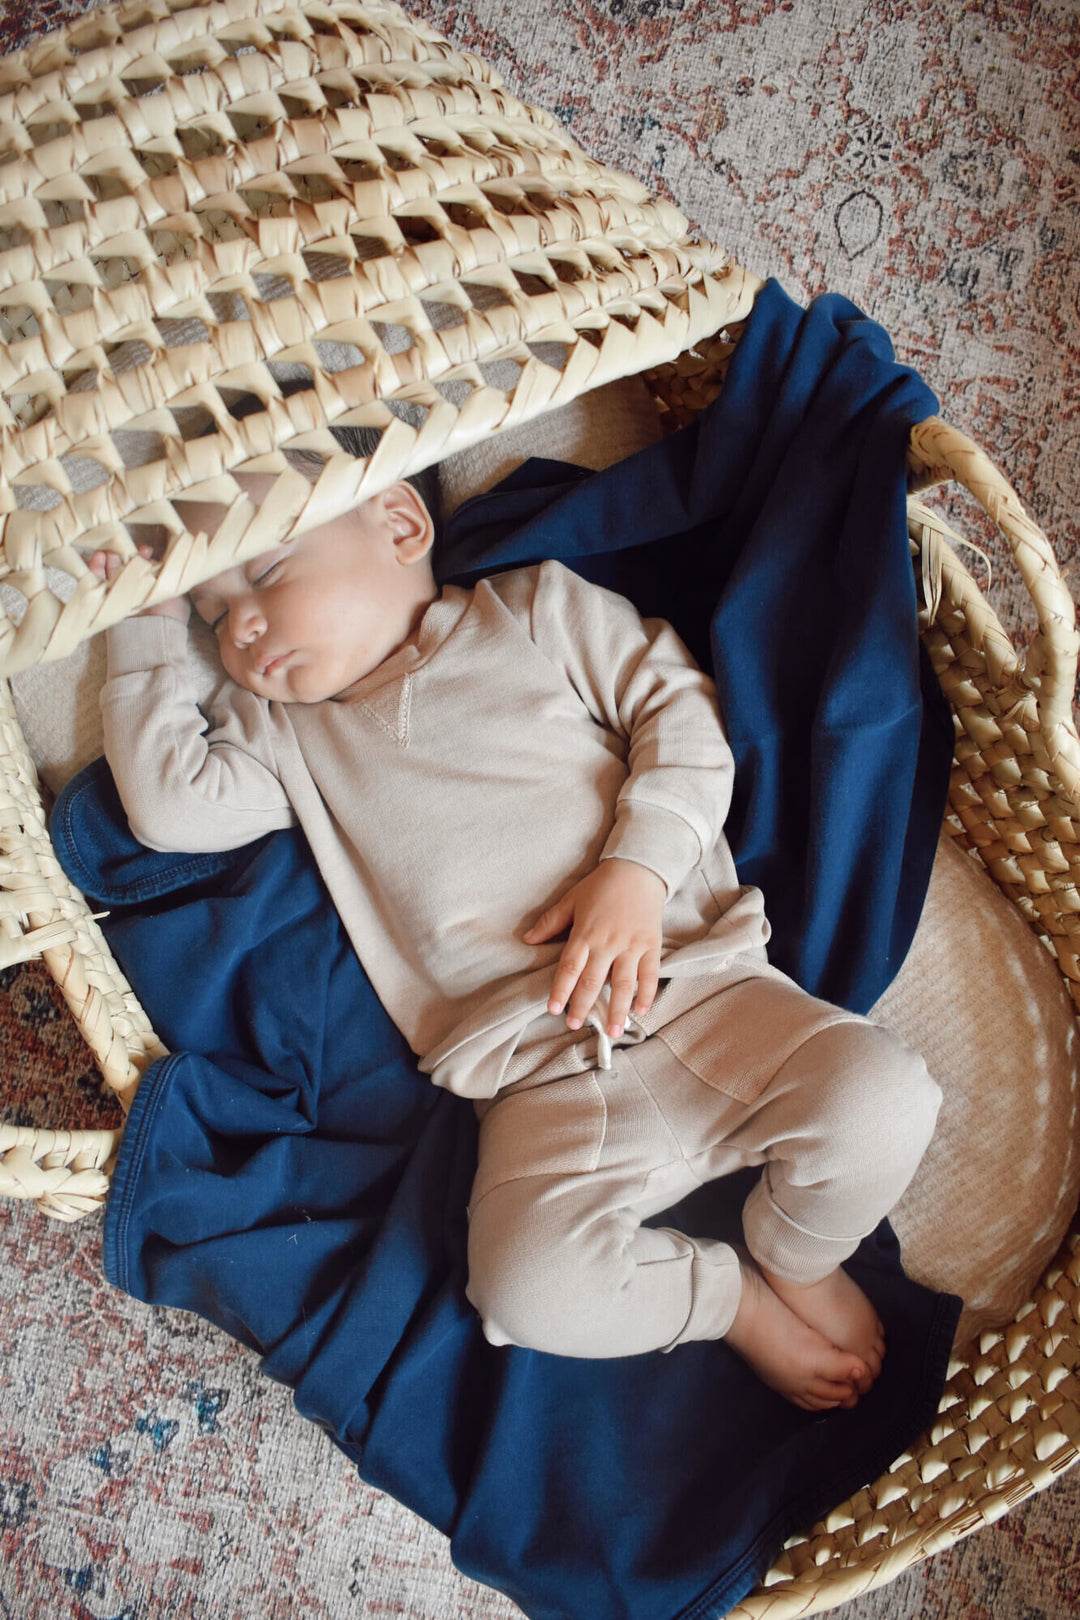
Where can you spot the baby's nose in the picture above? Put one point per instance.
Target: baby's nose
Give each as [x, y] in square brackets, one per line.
[246, 623]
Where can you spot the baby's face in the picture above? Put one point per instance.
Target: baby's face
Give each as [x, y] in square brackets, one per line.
[305, 621]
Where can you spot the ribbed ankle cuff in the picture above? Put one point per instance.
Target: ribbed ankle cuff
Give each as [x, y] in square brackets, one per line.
[717, 1289]
[782, 1245]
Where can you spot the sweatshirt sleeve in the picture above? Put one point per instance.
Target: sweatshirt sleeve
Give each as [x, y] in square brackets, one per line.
[184, 784]
[637, 677]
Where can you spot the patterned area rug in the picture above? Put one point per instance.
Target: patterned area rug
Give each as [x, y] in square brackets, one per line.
[921, 157]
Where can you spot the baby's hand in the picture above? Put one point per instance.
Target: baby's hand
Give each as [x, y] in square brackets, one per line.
[614, 916]
[106, 565]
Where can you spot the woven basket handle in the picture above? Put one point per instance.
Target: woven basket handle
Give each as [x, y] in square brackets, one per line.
[938, 452]
[66, 1173]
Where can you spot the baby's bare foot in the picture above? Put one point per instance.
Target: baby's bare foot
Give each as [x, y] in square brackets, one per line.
[839, 1310]
[788, 1354]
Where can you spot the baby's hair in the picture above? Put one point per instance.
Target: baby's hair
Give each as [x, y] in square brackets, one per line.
[356, 441]
[364, 441]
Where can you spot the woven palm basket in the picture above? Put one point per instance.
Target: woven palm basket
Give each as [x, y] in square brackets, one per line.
[200, 201]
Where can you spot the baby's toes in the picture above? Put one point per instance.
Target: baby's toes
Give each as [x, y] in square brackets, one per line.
[873, 1354]
[826, 1393]
[865, 1381]
[857, 1374]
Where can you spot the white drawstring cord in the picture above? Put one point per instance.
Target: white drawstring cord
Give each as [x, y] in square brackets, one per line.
[604, 1040]
[603, 1054]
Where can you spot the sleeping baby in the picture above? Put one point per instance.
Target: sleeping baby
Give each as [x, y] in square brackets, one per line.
[516, 796]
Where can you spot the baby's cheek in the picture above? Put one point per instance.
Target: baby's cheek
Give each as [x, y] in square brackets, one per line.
[232, 666]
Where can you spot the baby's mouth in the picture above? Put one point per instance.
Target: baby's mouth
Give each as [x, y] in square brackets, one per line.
[269, 665]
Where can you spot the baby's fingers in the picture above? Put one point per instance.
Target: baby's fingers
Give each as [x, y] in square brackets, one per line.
[591, 981]
[103, 564]
[623, 980]
[579, 976]
[648, 979]
[628, 970]
[106, 564]
[567, 973]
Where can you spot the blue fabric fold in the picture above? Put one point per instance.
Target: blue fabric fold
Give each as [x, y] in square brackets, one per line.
[289, 1175]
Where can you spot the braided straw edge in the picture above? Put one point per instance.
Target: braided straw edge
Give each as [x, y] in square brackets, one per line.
[43, 915]
[1009, 1418]
[572, 259]
[66, 1173]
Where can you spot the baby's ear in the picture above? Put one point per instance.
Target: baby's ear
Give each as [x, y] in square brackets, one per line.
[410, 521]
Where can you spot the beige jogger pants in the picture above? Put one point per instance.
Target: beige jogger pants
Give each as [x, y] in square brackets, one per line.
[838, 1111]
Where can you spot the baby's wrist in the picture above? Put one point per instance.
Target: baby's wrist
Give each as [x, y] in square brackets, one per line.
[144, 641]
[636, 869]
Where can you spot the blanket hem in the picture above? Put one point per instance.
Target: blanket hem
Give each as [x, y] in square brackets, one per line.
[129, 1158]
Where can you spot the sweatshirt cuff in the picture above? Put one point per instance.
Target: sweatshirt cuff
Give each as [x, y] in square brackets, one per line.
[141, 643]
[659, 839]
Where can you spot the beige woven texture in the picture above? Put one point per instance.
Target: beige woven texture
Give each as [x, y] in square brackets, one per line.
[202, 202]
[199, 202]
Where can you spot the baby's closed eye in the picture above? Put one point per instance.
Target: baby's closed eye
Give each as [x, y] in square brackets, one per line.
[212, 602]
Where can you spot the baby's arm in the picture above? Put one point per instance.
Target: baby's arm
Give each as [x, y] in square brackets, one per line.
[637, 678]
[183, 786]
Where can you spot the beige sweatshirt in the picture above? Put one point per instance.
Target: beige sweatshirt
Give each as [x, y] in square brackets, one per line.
[531, 727]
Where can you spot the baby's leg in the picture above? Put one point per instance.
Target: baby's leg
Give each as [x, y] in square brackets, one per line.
[555, 1264]
[849, 1116]
[839, 1114]
[559, 1260]
[558, 1257]
[555, 1267]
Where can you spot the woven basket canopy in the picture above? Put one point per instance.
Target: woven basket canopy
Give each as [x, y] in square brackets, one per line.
[205, 206]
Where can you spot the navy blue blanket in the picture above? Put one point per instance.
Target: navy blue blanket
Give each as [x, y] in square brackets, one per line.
[289, 1175]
